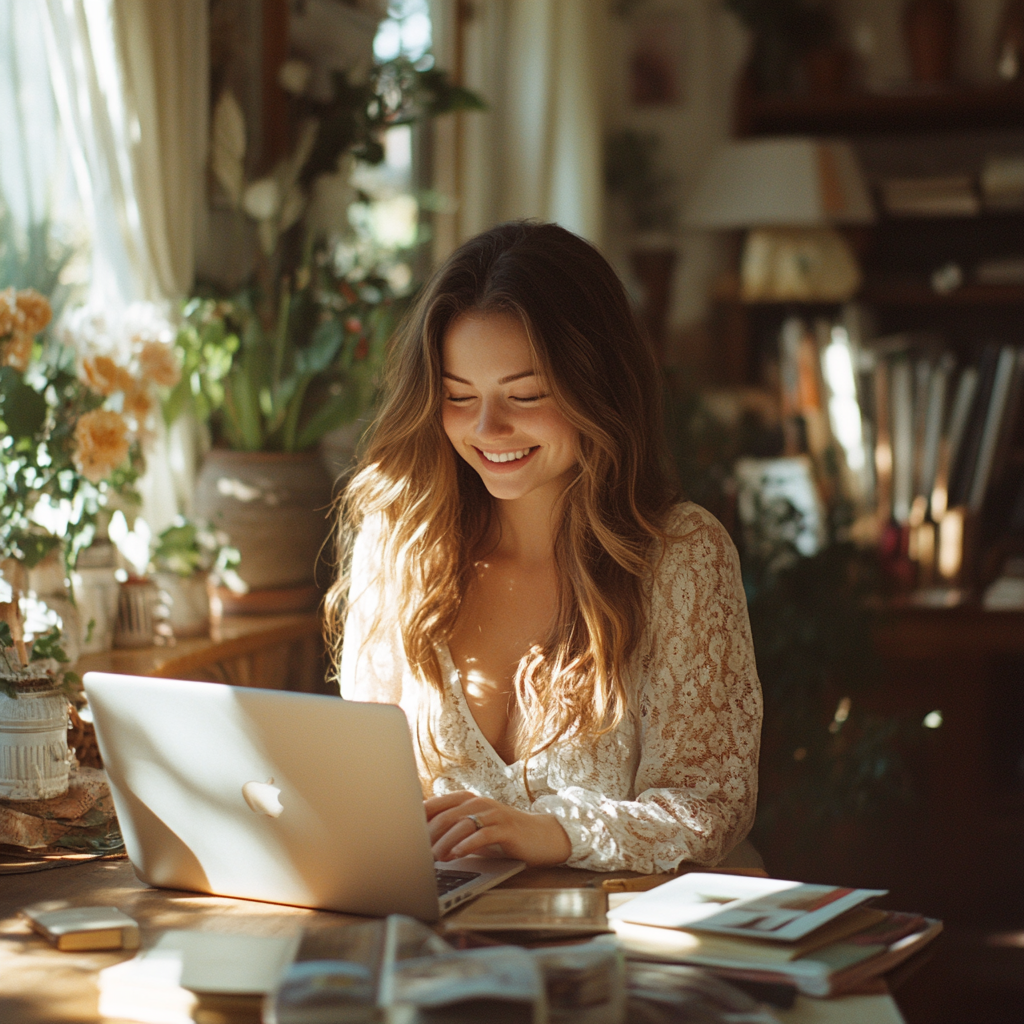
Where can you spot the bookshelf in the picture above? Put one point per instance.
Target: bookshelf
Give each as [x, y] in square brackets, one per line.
[964, 661]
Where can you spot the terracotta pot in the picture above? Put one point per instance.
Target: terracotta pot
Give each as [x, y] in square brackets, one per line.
[34, 759]
[275, 507]
[929, 27]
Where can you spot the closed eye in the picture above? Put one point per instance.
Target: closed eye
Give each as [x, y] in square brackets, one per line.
[528, 398]
[458, 398]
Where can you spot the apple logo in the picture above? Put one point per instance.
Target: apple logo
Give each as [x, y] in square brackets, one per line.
[263, 798]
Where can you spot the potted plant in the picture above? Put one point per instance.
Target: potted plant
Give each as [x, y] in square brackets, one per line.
[186, 559]
[295, 353]
[34, 692]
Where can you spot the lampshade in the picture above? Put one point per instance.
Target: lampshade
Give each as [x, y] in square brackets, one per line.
[792, 182]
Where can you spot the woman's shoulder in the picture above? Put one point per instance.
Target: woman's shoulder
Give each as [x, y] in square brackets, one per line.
[687, 524]
[697, 545]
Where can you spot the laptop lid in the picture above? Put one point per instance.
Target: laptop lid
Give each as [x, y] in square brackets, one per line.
[266, 794]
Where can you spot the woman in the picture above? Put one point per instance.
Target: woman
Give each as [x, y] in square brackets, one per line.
[569, 643]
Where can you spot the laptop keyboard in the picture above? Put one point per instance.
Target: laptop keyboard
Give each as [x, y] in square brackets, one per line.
[449, 880]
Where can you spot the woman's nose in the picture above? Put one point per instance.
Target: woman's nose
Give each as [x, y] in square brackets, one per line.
[494, 420]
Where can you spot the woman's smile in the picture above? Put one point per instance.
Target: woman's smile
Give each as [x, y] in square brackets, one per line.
[498, 412]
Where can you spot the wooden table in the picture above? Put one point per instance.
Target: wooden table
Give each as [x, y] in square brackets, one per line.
[39, 985]
[281, 652]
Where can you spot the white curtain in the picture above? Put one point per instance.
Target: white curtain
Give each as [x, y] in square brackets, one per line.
[130, 82]
[536, 152]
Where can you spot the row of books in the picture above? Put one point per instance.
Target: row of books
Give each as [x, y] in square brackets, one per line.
[906, 431]
[999, 186]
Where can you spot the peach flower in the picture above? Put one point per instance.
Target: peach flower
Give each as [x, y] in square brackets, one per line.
[104, 376]
[17, 351]
[101, 439]
[34, 311]
[137, 400]
[159, 364]
[8, 309]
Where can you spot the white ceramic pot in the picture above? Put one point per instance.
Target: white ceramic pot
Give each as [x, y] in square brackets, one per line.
[187, 600]
[96, 594]
[34, 757]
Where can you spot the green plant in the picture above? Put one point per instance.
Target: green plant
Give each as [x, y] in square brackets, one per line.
[186, 548]
[630, 172]
[296, 352]
[45, 657]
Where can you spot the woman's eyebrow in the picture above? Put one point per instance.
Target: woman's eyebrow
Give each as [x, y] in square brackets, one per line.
[504, 380]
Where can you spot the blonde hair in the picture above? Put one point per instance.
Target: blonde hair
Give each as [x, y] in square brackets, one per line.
[434, 512]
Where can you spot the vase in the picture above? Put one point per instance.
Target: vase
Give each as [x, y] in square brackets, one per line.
[929, 28]
[34, 757]
[275, 508]
[96, 591]
[187, 602]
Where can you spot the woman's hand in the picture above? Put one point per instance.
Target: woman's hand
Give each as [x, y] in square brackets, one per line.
[538, 839]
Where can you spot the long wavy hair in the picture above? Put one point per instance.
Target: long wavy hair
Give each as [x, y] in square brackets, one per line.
[434, 514]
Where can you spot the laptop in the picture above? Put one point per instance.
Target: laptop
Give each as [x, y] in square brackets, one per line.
[270, 795]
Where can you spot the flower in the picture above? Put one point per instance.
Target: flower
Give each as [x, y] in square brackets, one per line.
[17, 351]
[101, 443]
[33, 311]
[8, 309]
[138, 402]
[159, 364]
[103, 375]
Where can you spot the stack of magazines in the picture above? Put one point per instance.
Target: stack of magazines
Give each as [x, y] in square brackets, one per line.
[822, 940]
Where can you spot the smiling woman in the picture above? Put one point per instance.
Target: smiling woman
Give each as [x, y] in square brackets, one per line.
[568, 640]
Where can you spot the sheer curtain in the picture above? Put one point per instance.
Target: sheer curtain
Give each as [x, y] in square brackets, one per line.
[536, 152]
[129, 78]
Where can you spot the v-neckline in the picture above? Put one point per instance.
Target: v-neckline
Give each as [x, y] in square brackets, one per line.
[455, 681]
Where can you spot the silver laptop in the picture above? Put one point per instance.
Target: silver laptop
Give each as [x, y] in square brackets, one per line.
[269, 795]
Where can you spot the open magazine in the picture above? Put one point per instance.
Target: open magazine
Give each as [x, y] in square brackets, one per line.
[768, 909]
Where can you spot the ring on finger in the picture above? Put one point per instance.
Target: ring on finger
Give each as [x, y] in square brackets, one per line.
[475, 818]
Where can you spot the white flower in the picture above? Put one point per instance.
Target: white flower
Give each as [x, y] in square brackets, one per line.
[262, 199]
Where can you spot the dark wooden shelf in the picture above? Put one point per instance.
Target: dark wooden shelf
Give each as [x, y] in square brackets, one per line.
[941, 633]
[963, 109]
[899, 293]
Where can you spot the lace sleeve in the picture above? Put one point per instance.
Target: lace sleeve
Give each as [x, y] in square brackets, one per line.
[370, 670]
[699, 721]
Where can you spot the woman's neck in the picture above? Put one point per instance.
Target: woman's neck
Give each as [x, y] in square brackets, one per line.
[527, 528]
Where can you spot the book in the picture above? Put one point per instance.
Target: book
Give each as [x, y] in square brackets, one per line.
[826, 971]
[938, 386]
[397, 968]
[185, 975]
[769, 909]
[949, 445]
[993, 423]
[681, 943]
[966, 463]
[534, 913]
[948, 195]
[902, 427]
[83, 928]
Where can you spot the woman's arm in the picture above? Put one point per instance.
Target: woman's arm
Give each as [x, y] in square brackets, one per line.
[700, 721]
[370, 670]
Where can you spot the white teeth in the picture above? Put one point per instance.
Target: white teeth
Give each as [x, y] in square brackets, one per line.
[506, 456]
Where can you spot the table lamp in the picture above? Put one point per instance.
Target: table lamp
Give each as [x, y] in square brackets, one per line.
[790, 193]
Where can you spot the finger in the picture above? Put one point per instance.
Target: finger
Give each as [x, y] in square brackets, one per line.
[489, 835]
[445, 820]
[442, 847]
[435, 804]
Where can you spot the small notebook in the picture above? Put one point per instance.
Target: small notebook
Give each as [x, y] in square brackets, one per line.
[529, 911]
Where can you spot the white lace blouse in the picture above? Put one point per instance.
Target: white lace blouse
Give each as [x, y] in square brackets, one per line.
[677, 781]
